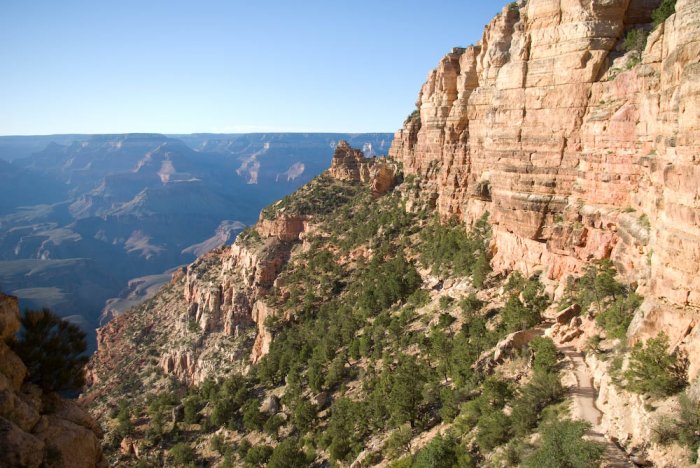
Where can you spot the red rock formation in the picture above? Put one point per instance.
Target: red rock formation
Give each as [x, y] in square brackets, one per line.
[350, 164]
[284, 227]
[575, 154]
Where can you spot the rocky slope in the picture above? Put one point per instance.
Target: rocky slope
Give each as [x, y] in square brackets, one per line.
[573, 150]
[116, 208]
[576, 149]
[38, 429]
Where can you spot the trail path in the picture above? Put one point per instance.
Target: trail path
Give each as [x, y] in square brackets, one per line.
[583, 397]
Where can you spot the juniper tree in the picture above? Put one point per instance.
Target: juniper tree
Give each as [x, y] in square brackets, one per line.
[53, 351]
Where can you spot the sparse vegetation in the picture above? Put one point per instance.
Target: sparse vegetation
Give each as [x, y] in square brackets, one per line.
[413, 116]
[654, 371]
[682, 427]
[364, 350]
[450, 249]
[635, 40]
[664, 10]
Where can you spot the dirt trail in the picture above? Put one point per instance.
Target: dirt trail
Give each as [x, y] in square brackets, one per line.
[583, 397]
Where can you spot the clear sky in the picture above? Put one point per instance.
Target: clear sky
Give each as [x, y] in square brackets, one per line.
[171, 66]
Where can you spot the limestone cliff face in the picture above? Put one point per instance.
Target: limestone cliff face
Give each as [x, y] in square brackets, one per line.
[37, 429]
[350, 164]
[575, 150]
[228, 299]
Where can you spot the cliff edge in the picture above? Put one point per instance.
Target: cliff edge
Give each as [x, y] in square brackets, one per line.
[578, 149]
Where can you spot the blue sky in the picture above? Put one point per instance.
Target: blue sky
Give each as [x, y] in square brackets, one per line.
[99, 66]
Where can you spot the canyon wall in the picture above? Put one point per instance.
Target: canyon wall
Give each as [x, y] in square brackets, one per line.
[578, 150]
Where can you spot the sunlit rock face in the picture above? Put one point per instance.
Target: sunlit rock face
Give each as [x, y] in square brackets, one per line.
[577, 150]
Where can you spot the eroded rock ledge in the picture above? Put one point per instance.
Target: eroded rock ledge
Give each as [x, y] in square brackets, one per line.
[577, 150]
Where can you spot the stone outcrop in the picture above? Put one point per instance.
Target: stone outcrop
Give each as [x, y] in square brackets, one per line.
[38, 429]
[350, 164]
[575, 149]
[284, 227]
[515, 341]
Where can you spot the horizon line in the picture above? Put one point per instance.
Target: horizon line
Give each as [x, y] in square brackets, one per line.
[252, 132]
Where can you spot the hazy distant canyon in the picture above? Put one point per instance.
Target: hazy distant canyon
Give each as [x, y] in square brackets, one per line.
[87, 218]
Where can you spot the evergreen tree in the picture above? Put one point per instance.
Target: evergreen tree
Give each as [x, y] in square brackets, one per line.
[53, 351]
[652, 370]
[563, 446]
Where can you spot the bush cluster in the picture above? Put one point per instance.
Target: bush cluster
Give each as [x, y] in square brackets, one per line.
[450, 249]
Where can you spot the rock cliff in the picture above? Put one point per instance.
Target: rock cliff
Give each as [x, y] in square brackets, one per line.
[38, 429]
[578, 150]
[223, 295]
[349, 164]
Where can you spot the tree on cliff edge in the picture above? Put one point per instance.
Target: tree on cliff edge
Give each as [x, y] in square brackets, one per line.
[53, 351]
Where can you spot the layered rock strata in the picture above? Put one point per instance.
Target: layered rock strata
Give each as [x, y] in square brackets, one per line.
[350, 164]
[577, 150]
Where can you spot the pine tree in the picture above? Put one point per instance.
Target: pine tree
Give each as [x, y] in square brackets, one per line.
[53, 351]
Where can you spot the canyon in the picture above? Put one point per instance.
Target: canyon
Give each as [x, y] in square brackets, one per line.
[574, 148]
[86, 219]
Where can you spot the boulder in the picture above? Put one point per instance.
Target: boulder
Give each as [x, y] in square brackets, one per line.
[322, 400]
[19, 448]
[9, 316]
[16, 410]
[178, 413]
[270, 405]
[75, 445]
[566, 315]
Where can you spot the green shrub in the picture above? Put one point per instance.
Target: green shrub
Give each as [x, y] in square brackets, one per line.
[258, 455]
[345, 429]
[253, 419]
[182, 454]
[442, 452]
[544, 389]
[689, 425]
[470, 305]
[522, 314]
[449, 249]
[399, 441]
[272, 425]
[563, 445]
[288, 454]
[445, 302]
[404, 384]
[304, 415]
[124, 425]
[191, 408]
[53, 351]
[597, 286]
[653, 371]
[666, 9]
[517, 316]
[243, 448]
[494, 428]
[635, 40]
[415, 115]
[616, 317]
[666, 430]
[218, 444]
[546, 354]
